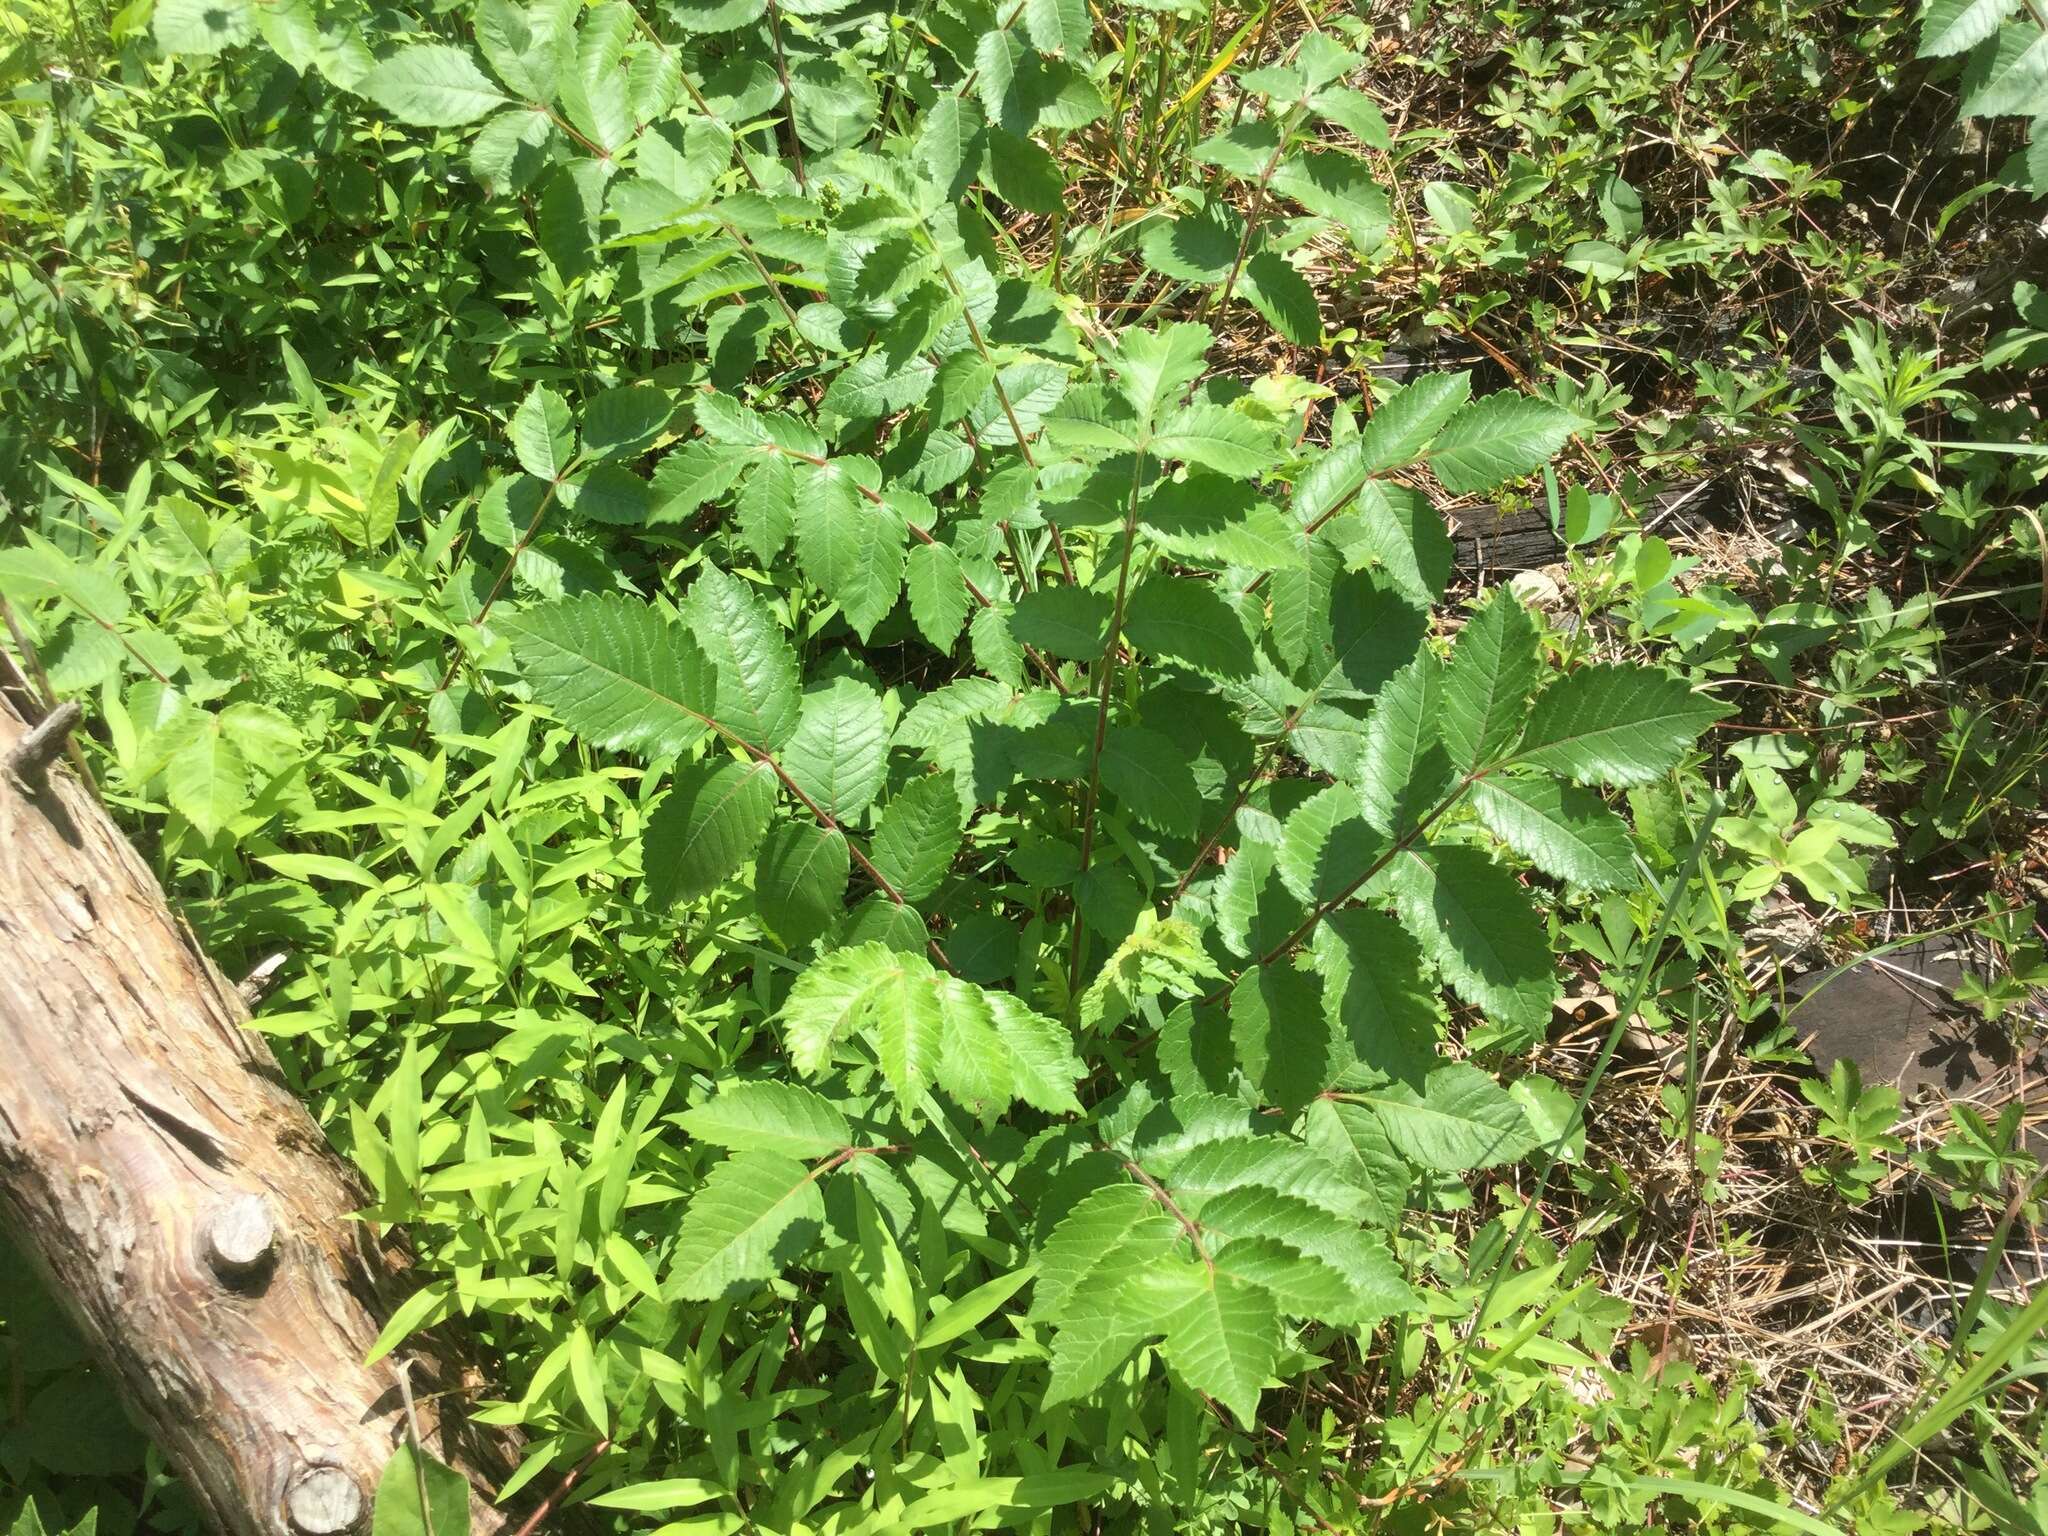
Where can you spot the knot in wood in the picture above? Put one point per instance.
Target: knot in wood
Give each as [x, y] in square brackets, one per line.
[240, 1237]
[323, 1500]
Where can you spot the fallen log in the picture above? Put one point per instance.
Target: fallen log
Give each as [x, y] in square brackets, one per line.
[187, 1212]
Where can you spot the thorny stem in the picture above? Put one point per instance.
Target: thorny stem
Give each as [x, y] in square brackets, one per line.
[1078, 949]
[774, 288]
[1003, 395]
[1220, 297]
[796, 148]
[505, 570]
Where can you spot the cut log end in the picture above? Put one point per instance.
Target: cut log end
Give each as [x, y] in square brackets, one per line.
[324, 1501]
[241, 1238]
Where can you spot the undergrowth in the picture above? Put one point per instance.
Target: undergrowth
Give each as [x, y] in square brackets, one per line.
[848, 669]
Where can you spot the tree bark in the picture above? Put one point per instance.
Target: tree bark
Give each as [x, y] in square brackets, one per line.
[186, 1209]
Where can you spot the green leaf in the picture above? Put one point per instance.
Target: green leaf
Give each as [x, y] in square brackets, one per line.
[838, 755]
[41, 571]
[1277, 290]
[1404, 771]
[1407, 420]
[851, 547]
[1063, 621]
[1377, 1285]
[770, 1117]
[607, 493]
[662, 1494]
[1155, 368]
[708, 826]
[433, 85]
[1353, 1139]
[1217, 438]
[207, 781]
[1089, 1346]
[1212, 1173]
[1614, 724]
[1059, 26]
[949, 143]
[698, 472]
[1111, 1234]
[1301, 1286]
[1327, 846]
[996, 1050]
[1281, 1036]
[1355, 112]
[1461, 1120]
[743, 1225]
[1158, 956]
[1489, 682]
[398, 1511]
[624, 421]
[716, 15]
[984, 1048]
[766, 508]
[204, 26]
[754, 667]
[1023, 172]
[1373, 975]
[1222, 1333]
[800, 881]
[2010, 77]
[1244, 150]
[615, 671]
[1399, 533]
[938, 594]
[1194, 248]
[1337, 186]
[543, 434]
[918, 835]
[1476, 923]
[1497, 439]
[1186, 620]
[1600, 260]
[1562, 829]
[1151, 779]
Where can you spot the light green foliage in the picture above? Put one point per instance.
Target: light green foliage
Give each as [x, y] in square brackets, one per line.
[400, 1508]
[871, 1081]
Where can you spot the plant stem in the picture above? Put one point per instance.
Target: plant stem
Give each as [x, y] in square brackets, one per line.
[796, 147]
[1220, 297]
[1109, 670]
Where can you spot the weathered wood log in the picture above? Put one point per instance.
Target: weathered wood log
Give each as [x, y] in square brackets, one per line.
[187, 1211]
